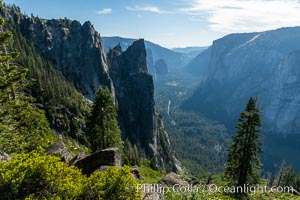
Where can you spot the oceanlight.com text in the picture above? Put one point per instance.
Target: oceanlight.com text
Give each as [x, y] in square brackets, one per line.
[213, 188]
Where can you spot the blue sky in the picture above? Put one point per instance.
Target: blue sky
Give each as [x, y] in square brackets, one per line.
[171, 23]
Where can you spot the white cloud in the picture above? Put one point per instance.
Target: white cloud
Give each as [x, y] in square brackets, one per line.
[105, 11]
[153, 9]
[244, 15]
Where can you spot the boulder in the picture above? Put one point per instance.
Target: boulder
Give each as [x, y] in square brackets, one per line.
[171, 179]
[149, 194]
[103, 168]
[152, 196]
[76, 158]
[93, 162]
[136, 173]
[193, 181]
[59, 149]
[4, 157]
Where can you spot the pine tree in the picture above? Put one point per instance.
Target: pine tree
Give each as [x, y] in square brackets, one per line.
[131, 153]
[136, 160]
[243, 163]
[298, 182]
[10, 75]
[22, 127]
[281, 170]
[288, 177]
[102, 124]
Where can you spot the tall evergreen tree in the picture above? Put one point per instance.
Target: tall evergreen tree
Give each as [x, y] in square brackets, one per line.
[22, 127]
[281, 170]
[10, 75]
[288, 177]
[298, 182]
[131, 153]
[103, 124]
[243, 164]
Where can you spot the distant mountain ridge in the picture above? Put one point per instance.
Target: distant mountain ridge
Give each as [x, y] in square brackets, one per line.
[191, 52]
[190, 49]
[250, 59]
[199, 65]
[264, 65]
[173, 59]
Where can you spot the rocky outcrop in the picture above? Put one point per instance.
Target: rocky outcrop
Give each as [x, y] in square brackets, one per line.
[161, 67]
[173, 59]
[172, 179]
[77, 51]
[150, 63]
[99, 160]
[165, 154]
[4, 157]
[59, 149]
[135, 95]
[74, 49]
[134, 92]
[152, 196]
[136, 173]
[149, 193]
[76, 158]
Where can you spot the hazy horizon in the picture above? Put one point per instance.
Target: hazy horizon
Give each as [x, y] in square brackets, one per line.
[172, 24]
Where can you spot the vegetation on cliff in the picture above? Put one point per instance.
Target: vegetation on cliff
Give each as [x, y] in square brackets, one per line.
[37, 176]
[30, 99]
[23, 127]
[103, 124]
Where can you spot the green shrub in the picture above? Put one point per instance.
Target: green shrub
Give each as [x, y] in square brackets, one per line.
[37, 176]
[113, 184]
[150, 176]
[23, 128]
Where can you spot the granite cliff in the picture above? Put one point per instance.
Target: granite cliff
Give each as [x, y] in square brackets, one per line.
[135, 94]
[78, 53]
[174, 60]
[161, 67]
[263, 65]
[74, 49]
[251, 64]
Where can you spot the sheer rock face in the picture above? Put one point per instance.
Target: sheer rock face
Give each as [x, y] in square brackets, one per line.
[135, 95]
[150, 63]
[253, 64]
[161, 67]
[283, 109]
[199, 65]
[74, 49]
[134, 92]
